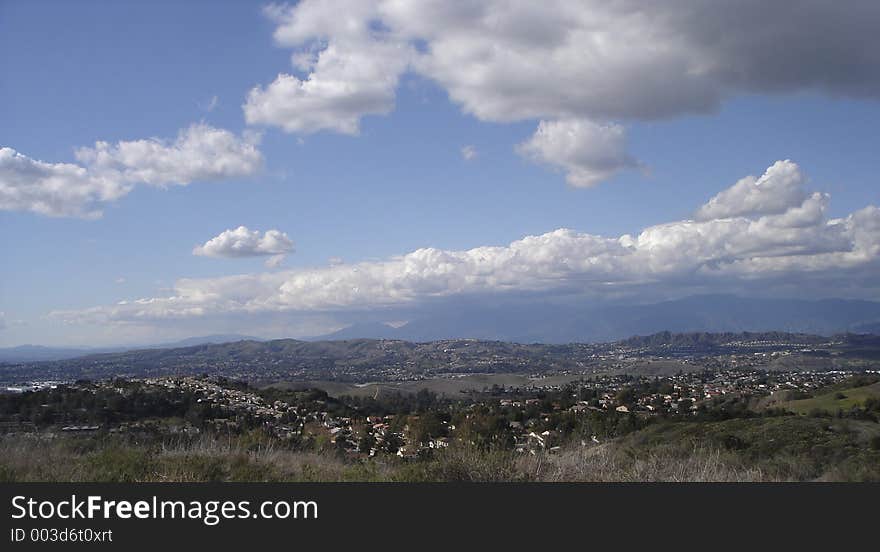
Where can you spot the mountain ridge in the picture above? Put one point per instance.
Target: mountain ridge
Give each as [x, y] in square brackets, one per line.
[570, 323]
[588, 324]
[40, 353]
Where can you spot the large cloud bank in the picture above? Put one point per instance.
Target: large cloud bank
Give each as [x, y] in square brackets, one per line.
[563, 63]
[763, 231]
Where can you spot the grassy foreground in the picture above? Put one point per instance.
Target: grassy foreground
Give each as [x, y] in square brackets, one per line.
[786, 448]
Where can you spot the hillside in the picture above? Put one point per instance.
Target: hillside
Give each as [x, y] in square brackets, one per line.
[37, 353]
[840, 399]
[362, 360]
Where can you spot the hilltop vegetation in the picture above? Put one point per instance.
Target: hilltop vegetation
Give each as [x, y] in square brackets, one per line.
[709, 340]
[787, 448]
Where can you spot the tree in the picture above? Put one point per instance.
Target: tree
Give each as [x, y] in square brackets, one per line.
[684, 406]
[392, 443]
[427, 426]
[366, 443]
[625, 396]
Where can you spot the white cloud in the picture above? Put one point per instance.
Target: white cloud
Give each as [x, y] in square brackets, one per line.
[559, 60]
[630, 59]
[797, 244]
[588, 152]
[107, 172]
[243, 242]
[199, 153]
[53, 189]
[352, 69]
[275, 261]
[469, 153]
[779, 189]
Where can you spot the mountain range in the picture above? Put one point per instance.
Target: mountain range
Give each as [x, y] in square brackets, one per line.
[569, 323]
[38, 353]
[584, 323]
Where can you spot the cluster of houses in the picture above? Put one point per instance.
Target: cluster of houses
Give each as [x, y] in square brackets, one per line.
[211, 391]
[687, 391]
[366, 436]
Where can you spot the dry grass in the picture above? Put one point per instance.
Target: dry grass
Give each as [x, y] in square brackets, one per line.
[789, 449]
[34, 459]
[28, 458]
[611, 463]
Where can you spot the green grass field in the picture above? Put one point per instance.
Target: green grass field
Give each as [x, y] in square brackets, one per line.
[841, 399]
[448, 387]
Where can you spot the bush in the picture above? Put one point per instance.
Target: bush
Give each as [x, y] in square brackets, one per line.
[732, 442]
[464, 463]
[118, 464]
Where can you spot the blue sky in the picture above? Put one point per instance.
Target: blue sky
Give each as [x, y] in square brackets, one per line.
[75, 73]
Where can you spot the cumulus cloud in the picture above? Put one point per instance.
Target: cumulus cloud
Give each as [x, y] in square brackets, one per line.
[776, 191]
[53, 189]
[243, 242]
[505, 61]
[588, 152]
[563, 61]
[351, 69]
[759, 247]
[107, 171]
[199, 153]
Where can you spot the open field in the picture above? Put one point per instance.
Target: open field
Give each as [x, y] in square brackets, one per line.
[456, 385]
[448, 387]
[842, 399]
[659, 367]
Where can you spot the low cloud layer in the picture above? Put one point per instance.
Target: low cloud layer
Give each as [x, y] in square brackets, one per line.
[107, 171]
[243, 242]
[780, 239]
[563, 62]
